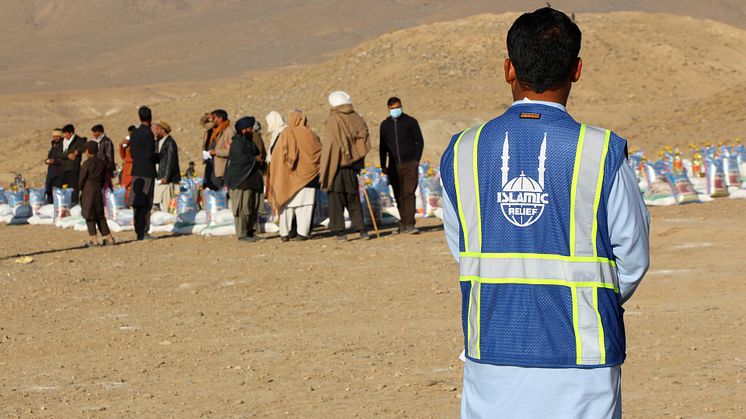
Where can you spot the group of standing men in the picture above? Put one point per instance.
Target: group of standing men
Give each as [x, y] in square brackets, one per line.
[294, 166]
[297, 163]
[65, 156]
[150, 166]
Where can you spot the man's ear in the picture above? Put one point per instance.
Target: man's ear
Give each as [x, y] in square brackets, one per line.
[577, 70]
[509, 71]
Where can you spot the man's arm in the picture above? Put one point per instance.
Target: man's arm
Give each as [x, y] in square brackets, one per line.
[382, 148]
[629, 230]
[83, 176]
[418, 140]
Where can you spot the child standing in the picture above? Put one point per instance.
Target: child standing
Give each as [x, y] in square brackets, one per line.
[93, 174]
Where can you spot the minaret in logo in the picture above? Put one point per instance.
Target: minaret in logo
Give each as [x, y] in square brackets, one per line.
[522, 198]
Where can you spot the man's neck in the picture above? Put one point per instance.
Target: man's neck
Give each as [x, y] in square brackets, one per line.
[556, 95]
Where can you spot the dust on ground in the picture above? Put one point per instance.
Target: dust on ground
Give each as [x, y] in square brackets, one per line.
[209, 327]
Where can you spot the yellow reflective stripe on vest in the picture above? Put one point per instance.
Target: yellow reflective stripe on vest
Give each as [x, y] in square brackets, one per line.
[593, 146]
[457, 183]
[466, 179]
[593, 273]
[589, 160]
[473, 332]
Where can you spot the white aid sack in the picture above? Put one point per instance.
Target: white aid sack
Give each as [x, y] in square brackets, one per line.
[166, 228]
[70, 222]
[201, 217]
[47, 211]
[217, 231]
[222, 218]
[39, 220]
[269, 228]
[160, 218]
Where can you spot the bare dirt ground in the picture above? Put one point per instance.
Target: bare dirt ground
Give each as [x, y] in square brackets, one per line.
[196, 327]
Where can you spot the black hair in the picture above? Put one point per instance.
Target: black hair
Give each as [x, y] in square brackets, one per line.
[69, 128]
[393, 100]
[131, 128]
[191, 163]
[91, 147]
[544, 47]
[145, 114]
[220, 114]
[97, 128]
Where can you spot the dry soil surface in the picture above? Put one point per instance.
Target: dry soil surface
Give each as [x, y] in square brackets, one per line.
[196, 327]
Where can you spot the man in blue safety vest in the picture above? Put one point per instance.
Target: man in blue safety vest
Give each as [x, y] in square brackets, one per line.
[550, 245]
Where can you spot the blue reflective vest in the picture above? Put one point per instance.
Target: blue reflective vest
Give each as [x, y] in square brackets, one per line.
[537, 269]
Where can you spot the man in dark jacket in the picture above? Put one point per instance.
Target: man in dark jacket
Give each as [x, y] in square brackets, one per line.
[54, 166]
[244, 179]
[72, 152]
[142, 149]
[105, 152]
[401, 151]
[169, 174]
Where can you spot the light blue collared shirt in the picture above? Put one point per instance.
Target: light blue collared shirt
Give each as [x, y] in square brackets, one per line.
[519, 392]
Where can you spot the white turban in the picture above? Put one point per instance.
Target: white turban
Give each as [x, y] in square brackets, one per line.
[274, 121]
[339, 98]
[275, 125]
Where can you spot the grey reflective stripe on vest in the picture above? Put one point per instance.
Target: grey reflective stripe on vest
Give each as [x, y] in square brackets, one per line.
[587, 324]
[588, 327]
[474, 318]
[582, 273]
[590, 167]
[467, 190]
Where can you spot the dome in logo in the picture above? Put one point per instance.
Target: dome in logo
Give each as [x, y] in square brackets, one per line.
[523, 184]
[522, 199]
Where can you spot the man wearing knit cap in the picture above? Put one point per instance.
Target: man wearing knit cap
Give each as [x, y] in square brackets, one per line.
[244, 179]
[54, 165]
[169, 175]
[342, 157]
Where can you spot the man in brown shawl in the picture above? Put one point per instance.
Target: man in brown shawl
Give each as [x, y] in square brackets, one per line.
[220, 144]
[294, 175]
[342, 157]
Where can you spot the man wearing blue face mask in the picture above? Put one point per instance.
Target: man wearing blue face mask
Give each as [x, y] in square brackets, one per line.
[400, 151]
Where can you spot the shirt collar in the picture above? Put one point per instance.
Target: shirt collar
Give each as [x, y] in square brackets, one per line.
[539, 102]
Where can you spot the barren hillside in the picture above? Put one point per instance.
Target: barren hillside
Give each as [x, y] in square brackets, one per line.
[645, 75]
[51, 45]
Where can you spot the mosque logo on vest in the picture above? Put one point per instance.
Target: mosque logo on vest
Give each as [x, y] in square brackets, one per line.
[522, 198]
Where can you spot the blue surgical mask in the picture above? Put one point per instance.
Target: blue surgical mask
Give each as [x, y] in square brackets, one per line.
[396, 112]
